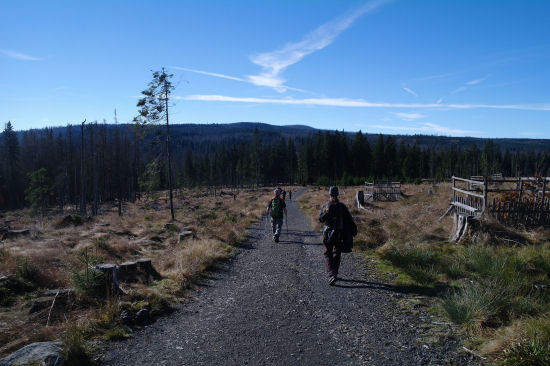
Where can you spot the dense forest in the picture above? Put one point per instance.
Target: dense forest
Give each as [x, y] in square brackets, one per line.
[103, 162]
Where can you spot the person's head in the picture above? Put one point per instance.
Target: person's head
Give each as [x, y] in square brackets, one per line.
[333, 192]
[277, 191]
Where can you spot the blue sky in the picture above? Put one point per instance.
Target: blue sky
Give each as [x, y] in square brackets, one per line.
[442, 67]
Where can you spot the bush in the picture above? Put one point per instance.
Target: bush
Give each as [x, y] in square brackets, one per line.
[90, 283]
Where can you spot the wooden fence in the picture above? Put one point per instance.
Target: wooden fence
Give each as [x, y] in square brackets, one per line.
[528, 213]
[512, 201]
[389, 191]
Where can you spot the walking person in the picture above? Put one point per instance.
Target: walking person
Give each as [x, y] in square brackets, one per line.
[290, 195]
[283, 193]
[337, 234]
[277, 209]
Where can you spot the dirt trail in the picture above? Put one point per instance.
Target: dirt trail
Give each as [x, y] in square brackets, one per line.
[271, 305]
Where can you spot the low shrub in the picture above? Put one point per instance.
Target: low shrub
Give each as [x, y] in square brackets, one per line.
[89, 283]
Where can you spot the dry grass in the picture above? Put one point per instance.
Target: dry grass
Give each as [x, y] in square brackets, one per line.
[50, 254]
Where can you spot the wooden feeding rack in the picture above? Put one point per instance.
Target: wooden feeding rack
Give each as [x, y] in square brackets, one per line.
[512, 201]
[389, 191]
[469, 196]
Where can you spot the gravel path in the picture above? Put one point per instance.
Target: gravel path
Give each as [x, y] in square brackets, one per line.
[271, 305]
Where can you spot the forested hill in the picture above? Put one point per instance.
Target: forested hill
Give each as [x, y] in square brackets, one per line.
[119, 161]
[199, 137]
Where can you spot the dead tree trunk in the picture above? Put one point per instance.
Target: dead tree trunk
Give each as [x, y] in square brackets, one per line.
[82, 174]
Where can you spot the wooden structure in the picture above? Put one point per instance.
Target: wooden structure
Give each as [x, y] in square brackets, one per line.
[512, 201]
[389, 191]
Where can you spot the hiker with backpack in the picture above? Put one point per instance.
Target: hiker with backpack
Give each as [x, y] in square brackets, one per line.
[277, 209]
[338, 233]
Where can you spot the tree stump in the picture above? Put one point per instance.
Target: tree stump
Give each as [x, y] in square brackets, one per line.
[183, 235]
[127, 272]
[16, 233]
[360, 199]
[145, 268]
[111, 280]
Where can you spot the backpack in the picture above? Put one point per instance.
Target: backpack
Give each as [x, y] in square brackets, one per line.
[276, 208]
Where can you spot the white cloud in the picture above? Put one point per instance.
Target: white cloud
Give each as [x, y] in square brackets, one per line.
[235, 78]
[409, 116]
[426, 128]
[358, 103]
[410, 91]
[439, 100]
[275, 62]
[477, 81]
[458, 90]
[215, 74]
[18, 55]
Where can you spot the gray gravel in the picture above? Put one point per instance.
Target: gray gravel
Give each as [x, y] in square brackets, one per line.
[271, 305]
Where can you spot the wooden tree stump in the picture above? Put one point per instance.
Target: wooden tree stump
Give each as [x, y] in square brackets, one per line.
[111, 280]
[360, 200]
[16, 233]
[145, 267]
[184, 235]
[127, 272]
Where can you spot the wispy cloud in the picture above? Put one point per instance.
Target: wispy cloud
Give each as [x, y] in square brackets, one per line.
[229, 77]
[410, 91]
[426, 128]
[359, 103]
[439, 100]
[214, 74]
[434, 77]
[459, 89]
[477, 81]
[409, 116]
[18, 55]
[275, 62]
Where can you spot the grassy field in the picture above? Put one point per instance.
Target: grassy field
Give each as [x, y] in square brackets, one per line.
[60, 248]
[493, 285]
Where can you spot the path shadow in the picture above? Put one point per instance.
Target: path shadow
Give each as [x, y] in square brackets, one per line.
[295, 242]
[436, 291]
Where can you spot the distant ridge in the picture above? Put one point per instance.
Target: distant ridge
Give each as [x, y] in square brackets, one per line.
[192, 135]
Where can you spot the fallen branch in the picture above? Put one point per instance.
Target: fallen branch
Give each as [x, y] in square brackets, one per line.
[473, 353]
[51, 307]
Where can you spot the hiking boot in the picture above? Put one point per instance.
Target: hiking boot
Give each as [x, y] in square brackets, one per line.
[276, 238]
[331, 280]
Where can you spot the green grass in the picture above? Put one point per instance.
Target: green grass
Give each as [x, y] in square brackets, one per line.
[528, 353]
[117, 334]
